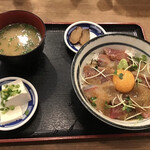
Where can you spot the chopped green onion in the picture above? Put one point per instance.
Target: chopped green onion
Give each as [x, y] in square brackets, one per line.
[26, 112]
[93, 98]
[10, 90]
[139, 117]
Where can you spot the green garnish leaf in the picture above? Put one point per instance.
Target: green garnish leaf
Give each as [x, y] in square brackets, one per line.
[120, 76]
[133, 68]
[17, 86]
[1, 109]
[26, 112]
[127, 98]
[10, 39]
[144, 58]
[93, 104]
[96, 67]
[138, 80]
[10, 90]
[106, 105]
[11, 107]
[126, 108]
[122, 64]
[139, 117]
[93, 98]
[115, 72]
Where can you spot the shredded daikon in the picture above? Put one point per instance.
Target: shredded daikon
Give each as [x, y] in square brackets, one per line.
[142, 85]
[99, 72]
[138, 70]
[122, 101]
[137, 104]
[143, 68]
[133, 116]
[117, 104]
[148, 66]
[113, 101]
[146, 81]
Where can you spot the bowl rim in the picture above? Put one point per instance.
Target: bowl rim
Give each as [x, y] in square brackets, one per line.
[85, 104]
[76, 23]
[42, 39]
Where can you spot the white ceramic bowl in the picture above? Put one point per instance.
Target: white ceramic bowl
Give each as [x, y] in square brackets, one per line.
[95, 30]
[116, 41]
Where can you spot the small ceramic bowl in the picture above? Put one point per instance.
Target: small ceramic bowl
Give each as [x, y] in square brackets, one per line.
[95, 30]
[20, 16]
[96, 45]
[30, 107]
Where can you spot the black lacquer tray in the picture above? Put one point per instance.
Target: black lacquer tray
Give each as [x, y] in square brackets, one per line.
[60, 115]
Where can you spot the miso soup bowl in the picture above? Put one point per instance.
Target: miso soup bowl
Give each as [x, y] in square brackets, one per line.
[21, 16]
[96, 45]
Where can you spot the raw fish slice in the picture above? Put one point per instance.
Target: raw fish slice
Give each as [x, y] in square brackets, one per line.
[116, 54]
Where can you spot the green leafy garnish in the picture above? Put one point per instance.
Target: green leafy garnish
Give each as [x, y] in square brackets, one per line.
[138, 80]
[139, 117]
[6, 109]
[93, 98]
[142, 58]
[127, 98]
[115, 72]
[96, 67]
[8, 91]
[11, 39]
[106, 105]
[126, 108]
[93, 104]
[26, 112]
[133, 68]
[122, 64]
[120, 76]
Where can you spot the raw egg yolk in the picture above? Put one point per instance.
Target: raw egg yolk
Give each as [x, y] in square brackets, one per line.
[123, 81]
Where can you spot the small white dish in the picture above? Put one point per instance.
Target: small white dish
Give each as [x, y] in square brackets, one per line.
[95, 30]
[30, 107]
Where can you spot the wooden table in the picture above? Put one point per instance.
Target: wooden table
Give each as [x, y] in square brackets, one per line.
[99, 11]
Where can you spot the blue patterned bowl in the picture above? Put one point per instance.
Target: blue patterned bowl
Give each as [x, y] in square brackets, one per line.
[95, 30]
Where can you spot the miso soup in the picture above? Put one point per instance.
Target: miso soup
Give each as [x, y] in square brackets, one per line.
[18, 39]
